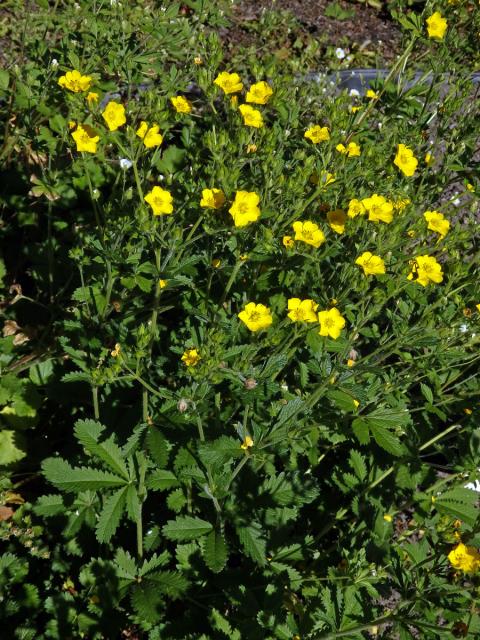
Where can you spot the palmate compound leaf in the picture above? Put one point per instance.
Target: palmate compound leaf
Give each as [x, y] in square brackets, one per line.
[77, 479]
[111, 515]
[215, 552]
[87, 433]
[186, 528]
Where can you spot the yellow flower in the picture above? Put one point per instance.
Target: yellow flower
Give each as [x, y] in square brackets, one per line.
[216, 262]
[86, 138]
[256, 316]
[243, 257]
[467, 559]
[259, 93]
[379, 209]
[354, 109]
[160, 201]
[317, 134]
[401, 203]
[467, 411]
[288, 242]
[162, 283]
[302, 310]
[181, 104]
[72, 124]
[356, 403]
[470, 187]
[151, 136]
[247, 443]
[405, 160]
[191, 357]
[351, 151]
[212, 199]
[477, 307]
[356, 208]
[309, 232]
[116, 351]
[234, 102]
[251, 148]
[228, 82]
[114, 115]
[336, 220]
[92, 98]
[331, 323]
[74, 81]
[372, 265]
[350, 363]
[251, 117]
[436, 26]
[245, 208]
[387, 517]
[425, 269]
[198, 60]
[372, 95]
[437, 222]
[429, 159]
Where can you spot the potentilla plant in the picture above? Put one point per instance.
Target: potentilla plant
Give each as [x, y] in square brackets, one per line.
[276, 310]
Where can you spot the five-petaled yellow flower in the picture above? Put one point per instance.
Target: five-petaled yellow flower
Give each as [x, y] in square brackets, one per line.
[251, 117]
[467, 559]
[379, 209]
[405, 160]
[309, 232]
[372, 95]
[350, 151]
[288, 242]
[245, 208]
[181, 104]
[247, 443]
[160, 201]
[114, 115]
[228, 82]
[256, 316]
[92, 98]
[372, 265]
[151, 136]
[436, 26]
[191, 357]
[317, 134]
[259, 93]
[425, 269]
[212, 199]
[302, 310]
[86, 138]
[74, 81]
[331, 323]
[356, 208]
[336, 220]
[437, 222]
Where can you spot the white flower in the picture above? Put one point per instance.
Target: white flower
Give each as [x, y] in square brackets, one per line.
[354, 93]
[340, 53]
[474, 486]
[463, 328]
[125, 163]
[456, 202]
[54, 63]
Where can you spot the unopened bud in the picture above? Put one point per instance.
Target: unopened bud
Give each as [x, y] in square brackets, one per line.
[250, 383]
[182, 405]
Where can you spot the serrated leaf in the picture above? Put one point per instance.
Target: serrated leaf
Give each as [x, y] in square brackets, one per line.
[157, 446]
[154, 563]
[385, 439]
[111, 515]
[147, 601]
[126, 565]
[292, 408]
[176, 500]
[253, 543]
[133, 503]
[427, 392]
[220, 623]
[76, 479]
[215, 552]
[357, 463]
[50, 505]
[171, 583]
[186, 528]
[459, 503]
[361, 430]
[161, 479]
[87, 433]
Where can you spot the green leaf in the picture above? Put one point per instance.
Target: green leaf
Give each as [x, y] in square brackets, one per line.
[161, 479]
[361, 430]
[133, 503]
[459, 503]
[357, 462]
[146, 601]
[50, 505]
[126, 565]
[251, 539]
[87, 433]
[111, 514]
[176, 500]
[427, 392]
[171, 583]
[9, 452]
[74, 480]
[385, 439]
[215, 551]
[157, 446]
[186, 528]
[4, 79]
[153, 563]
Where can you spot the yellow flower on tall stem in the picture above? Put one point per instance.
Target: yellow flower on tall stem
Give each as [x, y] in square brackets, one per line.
[151, 136]
[256, 316]
[212, 199]
[437, 222]
[86, 138]
[245, 208]
[160, 200]
[181, 104]
[425, 270]
[114, 115]
[74, 81]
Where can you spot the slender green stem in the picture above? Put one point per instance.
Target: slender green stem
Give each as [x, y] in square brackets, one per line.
[354, 630]
[96, 409]
[145, 405]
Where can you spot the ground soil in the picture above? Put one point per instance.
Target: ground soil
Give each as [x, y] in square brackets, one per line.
[368, 28]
